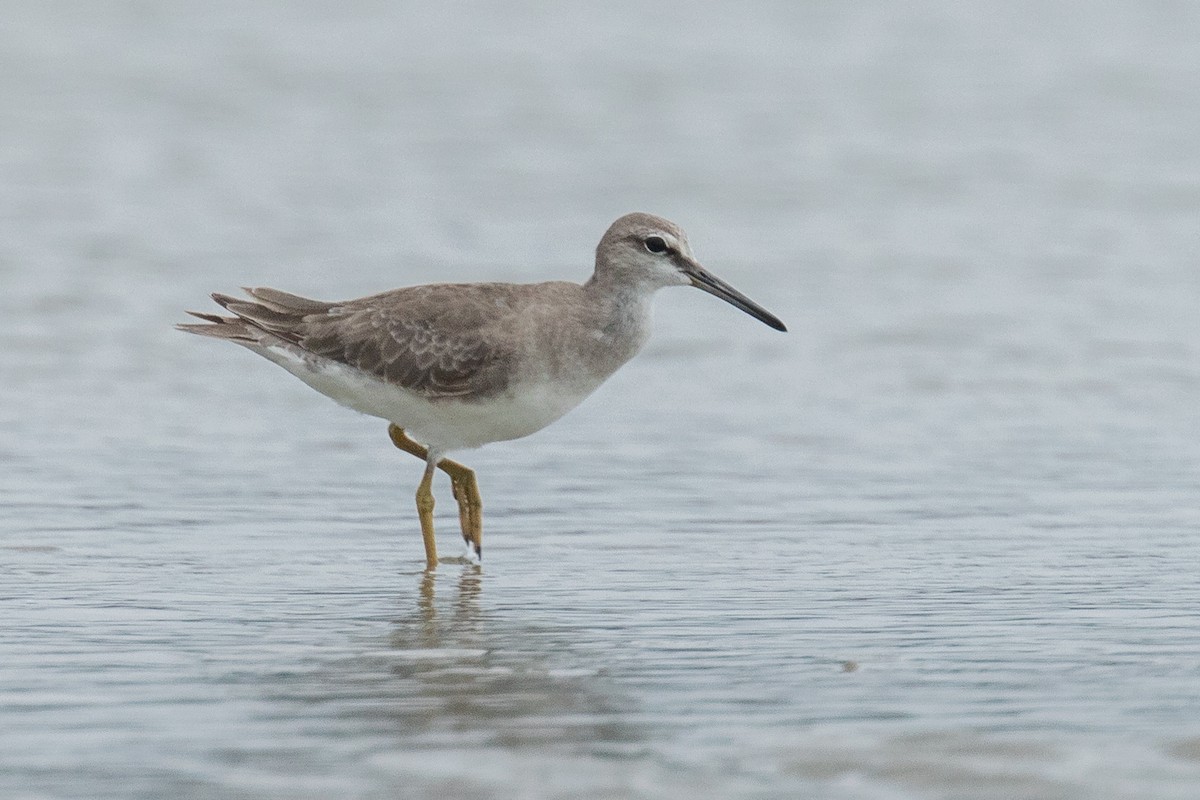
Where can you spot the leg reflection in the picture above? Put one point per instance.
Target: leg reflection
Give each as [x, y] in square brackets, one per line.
[461, 628]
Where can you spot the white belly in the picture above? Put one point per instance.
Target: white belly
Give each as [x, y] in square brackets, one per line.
[442, 425]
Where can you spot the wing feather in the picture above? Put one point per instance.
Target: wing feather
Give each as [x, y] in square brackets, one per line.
[442, 340]
[436, 341]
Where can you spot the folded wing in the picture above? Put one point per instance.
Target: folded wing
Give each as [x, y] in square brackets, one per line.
[408, 337]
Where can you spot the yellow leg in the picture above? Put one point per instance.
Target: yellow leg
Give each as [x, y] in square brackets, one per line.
[401, 440]
[466, 492]
[470, 504]
[425, 512]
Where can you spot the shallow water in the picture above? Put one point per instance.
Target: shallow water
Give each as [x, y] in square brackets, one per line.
[938, 541]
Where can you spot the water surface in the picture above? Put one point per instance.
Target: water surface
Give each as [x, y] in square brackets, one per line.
[938, 541]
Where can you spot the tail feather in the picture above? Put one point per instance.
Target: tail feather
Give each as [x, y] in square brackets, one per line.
[275, 314]
[263, 317]
[230, 328]
[280, 323]
[216, 318]
[285, 302]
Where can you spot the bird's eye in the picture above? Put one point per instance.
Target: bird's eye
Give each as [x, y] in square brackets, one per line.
[656, 245]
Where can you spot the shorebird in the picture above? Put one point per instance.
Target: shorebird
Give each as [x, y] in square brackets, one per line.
[456, 366]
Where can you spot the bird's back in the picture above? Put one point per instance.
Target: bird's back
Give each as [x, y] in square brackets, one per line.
[467, 341]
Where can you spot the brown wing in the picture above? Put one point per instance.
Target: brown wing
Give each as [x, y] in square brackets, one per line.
[444, 340]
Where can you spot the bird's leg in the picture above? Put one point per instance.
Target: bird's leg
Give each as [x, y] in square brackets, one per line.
[401, 440]
[462, 481]
[470, 504]
[425, 512]
[464, 516]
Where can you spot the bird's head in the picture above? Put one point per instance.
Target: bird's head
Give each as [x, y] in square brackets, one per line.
[648, 251]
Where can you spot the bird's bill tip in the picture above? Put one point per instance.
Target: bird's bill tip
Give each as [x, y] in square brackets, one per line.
[705, 281]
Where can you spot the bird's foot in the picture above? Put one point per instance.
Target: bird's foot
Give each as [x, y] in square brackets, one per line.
[471, 554]
[468, 558]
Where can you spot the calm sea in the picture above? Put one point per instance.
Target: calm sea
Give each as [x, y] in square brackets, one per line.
[940, 540]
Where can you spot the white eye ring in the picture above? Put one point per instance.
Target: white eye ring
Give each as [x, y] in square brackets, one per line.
[656, 245]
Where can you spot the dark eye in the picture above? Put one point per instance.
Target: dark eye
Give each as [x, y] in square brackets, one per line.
[656, 245]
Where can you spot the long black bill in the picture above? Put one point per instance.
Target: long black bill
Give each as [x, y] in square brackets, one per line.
[703, 279]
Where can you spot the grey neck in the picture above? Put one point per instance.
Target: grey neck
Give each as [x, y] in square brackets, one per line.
[624, 312]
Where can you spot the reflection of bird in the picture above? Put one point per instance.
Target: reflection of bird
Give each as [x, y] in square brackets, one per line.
[460, 365]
